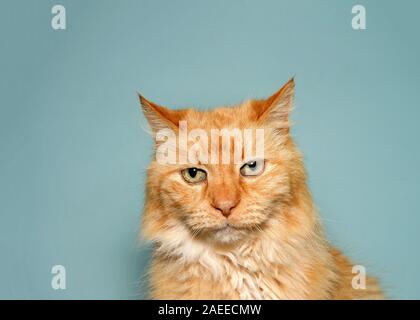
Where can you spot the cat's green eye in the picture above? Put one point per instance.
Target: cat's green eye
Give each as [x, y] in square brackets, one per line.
[194, 175]
[253, 168]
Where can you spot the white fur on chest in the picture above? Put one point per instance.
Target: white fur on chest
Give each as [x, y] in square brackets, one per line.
[246, 275]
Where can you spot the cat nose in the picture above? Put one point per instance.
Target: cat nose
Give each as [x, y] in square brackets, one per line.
[225, 206]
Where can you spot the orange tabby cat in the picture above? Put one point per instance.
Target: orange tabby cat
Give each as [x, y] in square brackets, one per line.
[221, 233]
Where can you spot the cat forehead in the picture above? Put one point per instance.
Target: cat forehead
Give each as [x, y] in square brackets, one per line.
[237, 116]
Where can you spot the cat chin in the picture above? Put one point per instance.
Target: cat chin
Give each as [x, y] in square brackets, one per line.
[227, 234]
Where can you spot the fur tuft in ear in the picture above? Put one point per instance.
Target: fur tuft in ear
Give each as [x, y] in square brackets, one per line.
[160, 117]
[276, 109]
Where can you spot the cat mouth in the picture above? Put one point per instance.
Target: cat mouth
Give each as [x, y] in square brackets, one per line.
[226, 227]
[226, 230]
[227, 234]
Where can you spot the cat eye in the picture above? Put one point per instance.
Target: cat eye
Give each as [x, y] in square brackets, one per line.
[253, 168]
[194, 175]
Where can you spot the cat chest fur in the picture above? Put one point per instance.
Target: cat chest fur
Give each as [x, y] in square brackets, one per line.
[211, 275]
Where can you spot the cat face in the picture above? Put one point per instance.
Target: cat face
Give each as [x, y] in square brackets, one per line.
[197, 189]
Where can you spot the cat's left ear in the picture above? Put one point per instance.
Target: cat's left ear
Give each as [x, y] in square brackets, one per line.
[276, 109]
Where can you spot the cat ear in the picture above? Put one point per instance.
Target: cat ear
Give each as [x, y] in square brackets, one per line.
[276, 109]
[159, 117]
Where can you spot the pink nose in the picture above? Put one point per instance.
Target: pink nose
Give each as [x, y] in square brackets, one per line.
[225, 206]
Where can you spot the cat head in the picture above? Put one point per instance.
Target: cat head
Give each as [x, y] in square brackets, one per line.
[214, 200]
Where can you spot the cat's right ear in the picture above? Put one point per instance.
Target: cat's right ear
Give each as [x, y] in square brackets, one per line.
[159, 117]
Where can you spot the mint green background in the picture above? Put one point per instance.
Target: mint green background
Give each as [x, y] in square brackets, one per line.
[73, 151]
